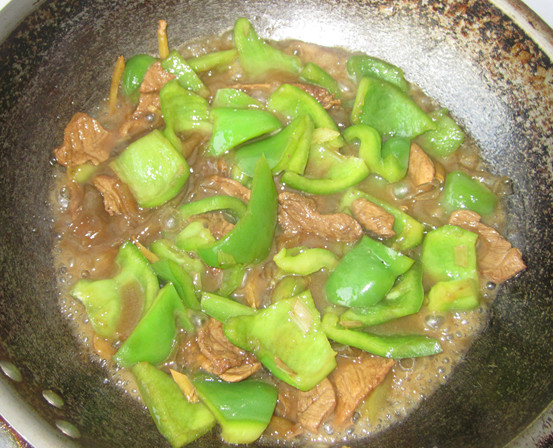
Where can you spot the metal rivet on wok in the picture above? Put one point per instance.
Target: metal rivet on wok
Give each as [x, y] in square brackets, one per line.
[69, 429]
[11, 371]
[52, 398]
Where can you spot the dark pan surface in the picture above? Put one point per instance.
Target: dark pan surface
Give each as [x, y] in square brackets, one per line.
[468, 55]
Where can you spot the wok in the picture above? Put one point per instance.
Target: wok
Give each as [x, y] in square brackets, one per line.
[488, 62]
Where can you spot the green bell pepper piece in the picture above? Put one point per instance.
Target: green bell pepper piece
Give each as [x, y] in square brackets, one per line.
[165, 249]
[445, 139]
[287, 339]
[187, 78]
[133, 75]
[231, 127]
[179, 421]
[287, 149]
[385, 107]
[409, 232]
[82, 173]
[365, 274]
[454, 295]
[222, 309]
[183, 112]
[391, 161]
[304, 261]
[242, 409]
[235, 99]
[362, 65]
[169, 271]
[289, 286]
[232, 279]
[234, 206]
[314, 74]
[395, 347]
[404, 298]
[214, 60]
[103, 298]
[194, 236]
[257, 57]
[290, 102]
[463, 192]
[251, 238]
[153, 169]
[154, 337]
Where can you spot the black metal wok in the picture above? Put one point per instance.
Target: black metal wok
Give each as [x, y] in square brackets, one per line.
[469, 55]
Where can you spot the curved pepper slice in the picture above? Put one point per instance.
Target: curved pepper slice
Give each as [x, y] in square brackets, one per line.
[153, 169]
[395, 347]
[304, 261]
[179, 421]
[235, 99]
[409, 232]
[153, 338]
[165, 249]
[222, 308]
[133, 75]
[231, 204]
[385, 107]
[365, 274]
[210, 61]
[242, 409]
[287, 149]
[404, 298]
[239, 246]
[314, 74]
[103, 298]
[445, 139]
[232, 127]
[463, 192]
[287, 339]
[363, 65]
[169, 271]
[257, 57]
[453, 295]
[391, 161]
[187, 78]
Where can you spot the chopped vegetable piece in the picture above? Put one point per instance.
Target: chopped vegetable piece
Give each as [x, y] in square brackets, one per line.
[135, 69]
[232, 127]
[186, 77]
[179, 421]
[242, 409]
[257, 57]
[287, 338]
[222, 309]
[365, 274]
[232, 279]
[170, 271]
[445, 139]
[165, 249]
[118, 70]
[103, 298]
[454, 295]
[304, 261]
[234, 206]
[314, 74]
[162, 41]
[463, 192]
[194, 236]
[154, 171]
[210, 61]
[389, 110]
[235, 99]
[237, 247]
[395, 347]
[363, 65]
[153, 338]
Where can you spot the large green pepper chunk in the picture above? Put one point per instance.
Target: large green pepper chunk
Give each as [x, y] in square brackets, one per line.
[395, 347]
[235, 99]
[445, 139]
[153, 169]
[463, 192]
[409, 232]
[103, 298]
[179, 421]
[287, 339]
[257, 57]
[153, 338]
[231, 127]
[404, 298]
[251, 238]
[365, 274]
[242, 409]
[133, 75]
[389, 110]
[363, 65]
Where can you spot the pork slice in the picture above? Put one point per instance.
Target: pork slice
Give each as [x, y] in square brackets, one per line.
[373, 218]
[84, 140]
[308, 409]
[322, 95]
[354, 378]
[118, 200]
[155, 78]
[222, 358]
[145, 117]
[498, 261]
[297, 214]
[226, 186]
[421, 167]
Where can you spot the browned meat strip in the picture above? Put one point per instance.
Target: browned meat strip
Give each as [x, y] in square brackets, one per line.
[298, 214]
[373, 218]
[310, 408]
[354, 378]
[118, 200]
[283, 428]
[224, 185]
[84, 140]
[323, 96]
[421, 167]
[497, 259]
[155, 78]
[146, 116]
[223, 358]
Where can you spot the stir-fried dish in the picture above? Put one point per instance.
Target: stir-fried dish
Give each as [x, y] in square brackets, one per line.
[287, 241]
